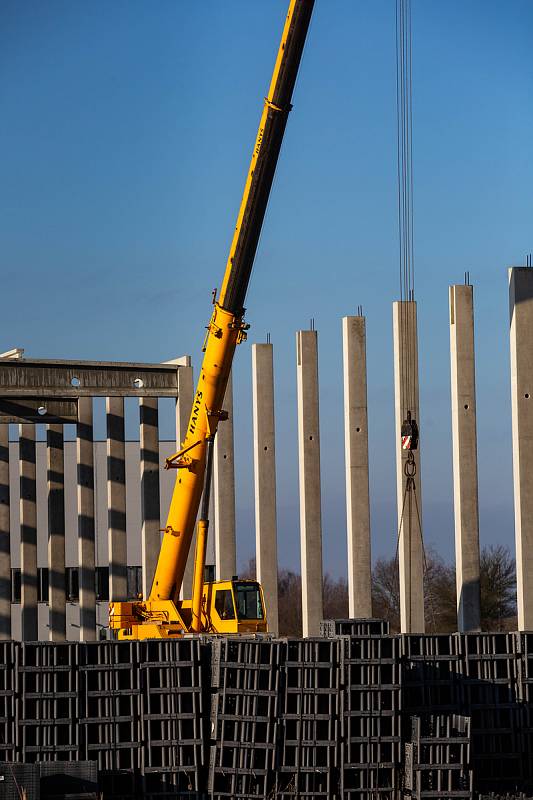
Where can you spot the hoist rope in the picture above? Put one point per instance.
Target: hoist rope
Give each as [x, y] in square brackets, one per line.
[404, 116]
[406, 315]
[409, 494]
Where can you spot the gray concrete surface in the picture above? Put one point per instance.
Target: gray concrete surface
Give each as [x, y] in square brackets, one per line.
[150, 508]
[356, 466]
[521, 339]
[5, 536]
[116, 498]
[406, 397]
[28, 532]
[309, 479]
[55, 472]
[264, 438]
[464, 439]
[86, 522]
[224, 493]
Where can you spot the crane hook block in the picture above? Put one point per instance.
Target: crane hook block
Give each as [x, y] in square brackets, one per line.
[409, 434]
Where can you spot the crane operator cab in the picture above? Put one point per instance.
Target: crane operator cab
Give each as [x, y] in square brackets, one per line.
[235, 607]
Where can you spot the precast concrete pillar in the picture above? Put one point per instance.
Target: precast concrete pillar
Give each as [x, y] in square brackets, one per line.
[356, 459]
[86, 523]
[116, 499]
[183, 413]
[150, 521]
[224, 493]
[521, 333]
[5, 537]
[410, 543]
[265, 479]
[57, 597]
[28, 532]
[464, 438]
[309, 478]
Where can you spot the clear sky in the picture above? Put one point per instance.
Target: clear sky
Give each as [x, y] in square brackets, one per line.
[126, 130]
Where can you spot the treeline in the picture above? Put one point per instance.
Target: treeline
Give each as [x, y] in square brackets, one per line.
[498, 594]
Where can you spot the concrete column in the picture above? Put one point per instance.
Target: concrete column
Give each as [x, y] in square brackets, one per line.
[86, 526]
[265, 479]
[356, 456]
[183, 413]
[411, 549]
[151, 524]
[309, 474]
[224, 493]
[55, 469]
[5, 537]
[464, 437]
[28, 532]
[521, 332]
[116, 499]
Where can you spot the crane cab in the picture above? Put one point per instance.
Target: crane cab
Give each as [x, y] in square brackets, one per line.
[234, 607]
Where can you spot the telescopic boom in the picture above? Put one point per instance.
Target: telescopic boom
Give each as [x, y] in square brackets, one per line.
[226, 328]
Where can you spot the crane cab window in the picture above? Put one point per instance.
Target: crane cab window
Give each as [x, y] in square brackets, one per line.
[224, 604]
[249, 602]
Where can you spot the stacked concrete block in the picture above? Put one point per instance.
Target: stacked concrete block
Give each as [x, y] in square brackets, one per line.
[246, 679]
[309, 759]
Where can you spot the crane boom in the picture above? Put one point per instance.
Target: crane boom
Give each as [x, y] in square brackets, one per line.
[226, 328]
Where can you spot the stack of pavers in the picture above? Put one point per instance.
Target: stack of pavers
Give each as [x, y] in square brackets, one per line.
[432, 684]
[308, 753]
[246, 683]
[430, 675]
[8, 701]
[489, 669]
[437, 758]
[111, 708]
[48, 702]
[525, 695]
[370, 698]
[173, 726]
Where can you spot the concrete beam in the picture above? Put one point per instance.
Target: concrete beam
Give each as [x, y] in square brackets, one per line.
[265, 479]
[116, 499]
[411, 548]
[28, 532]
[464, 438]
[521, 337]
[151, 524]
[86, 526]
[356, 456]
[309, 474]
[55, 470]
[41, 410]
[224, 493]
[5, 537]
[38, 378]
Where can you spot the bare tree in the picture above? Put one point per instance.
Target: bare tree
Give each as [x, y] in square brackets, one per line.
[498, 593]
[386, 592]
[498, 589]
[335, 594]
[289, 603]
[440, 609]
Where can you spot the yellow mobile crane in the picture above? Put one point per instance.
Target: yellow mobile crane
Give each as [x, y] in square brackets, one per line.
[220, 606]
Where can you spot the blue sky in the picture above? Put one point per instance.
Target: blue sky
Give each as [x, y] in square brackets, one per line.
[125, 134]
